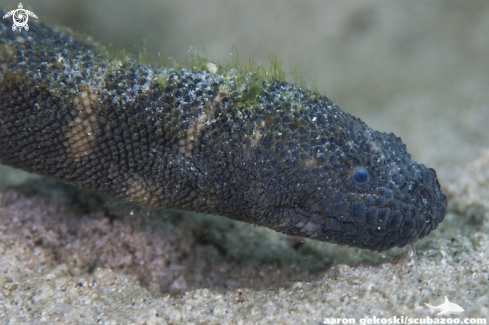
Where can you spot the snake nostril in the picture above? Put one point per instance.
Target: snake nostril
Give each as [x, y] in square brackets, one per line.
[425, 197]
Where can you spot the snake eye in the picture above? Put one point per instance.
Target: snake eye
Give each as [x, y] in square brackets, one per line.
[361, 176]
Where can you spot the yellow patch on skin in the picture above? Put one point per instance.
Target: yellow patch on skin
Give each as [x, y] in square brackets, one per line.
[256, 137]
[140, 191]
[257, 134]
[195, 129]
[82, 137]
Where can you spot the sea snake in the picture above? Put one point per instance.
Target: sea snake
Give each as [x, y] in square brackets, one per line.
[229, 143]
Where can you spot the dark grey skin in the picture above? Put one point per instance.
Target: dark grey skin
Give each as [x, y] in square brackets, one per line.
[263, 152]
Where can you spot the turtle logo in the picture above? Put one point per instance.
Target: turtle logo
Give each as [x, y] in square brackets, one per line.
[20, 17]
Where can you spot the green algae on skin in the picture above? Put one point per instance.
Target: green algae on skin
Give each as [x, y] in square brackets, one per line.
[238, 142]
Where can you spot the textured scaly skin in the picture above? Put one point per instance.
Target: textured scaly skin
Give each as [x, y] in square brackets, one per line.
[277, 156]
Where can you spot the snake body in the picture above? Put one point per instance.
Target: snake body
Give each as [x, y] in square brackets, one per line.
[261, 151]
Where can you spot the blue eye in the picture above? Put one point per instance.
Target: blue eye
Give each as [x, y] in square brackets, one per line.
[361, 176]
